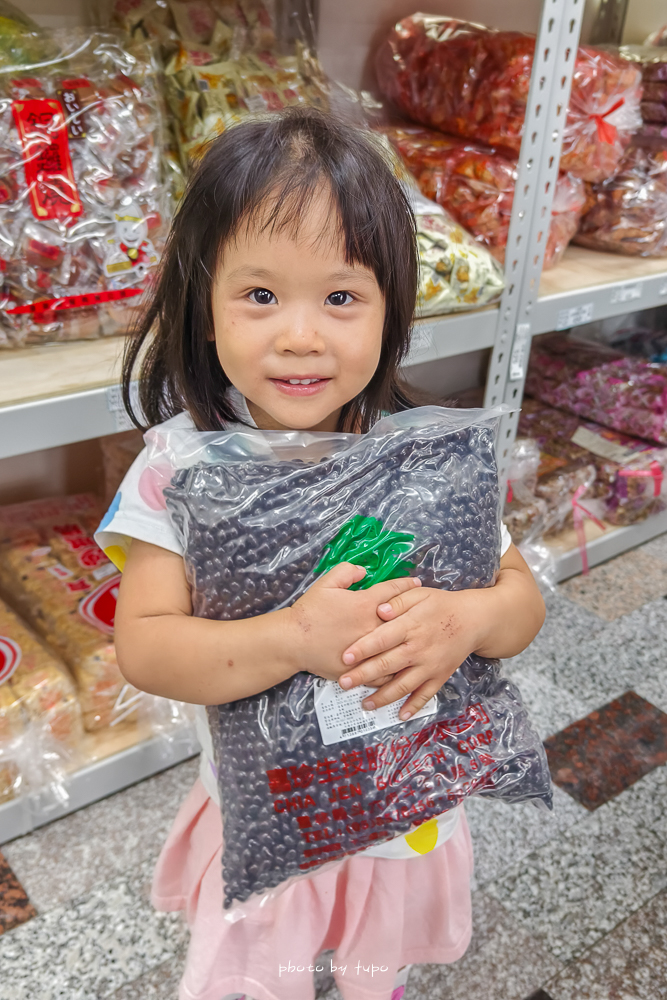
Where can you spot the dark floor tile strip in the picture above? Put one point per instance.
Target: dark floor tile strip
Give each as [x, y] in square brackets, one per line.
[540, 995]
[15, 907]
[598, 757]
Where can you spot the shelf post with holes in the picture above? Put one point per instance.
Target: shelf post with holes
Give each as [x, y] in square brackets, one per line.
[551, 80]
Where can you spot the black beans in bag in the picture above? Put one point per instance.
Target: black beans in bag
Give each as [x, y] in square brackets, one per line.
[306, 776]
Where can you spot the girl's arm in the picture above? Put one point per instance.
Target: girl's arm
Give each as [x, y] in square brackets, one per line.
[164, 650]
[428, 633]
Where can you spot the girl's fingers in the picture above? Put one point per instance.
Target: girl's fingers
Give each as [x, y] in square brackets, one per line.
[401, 603]
[407, 682]
[370, 671]
[390, 589]
[418, 698]
[381, 639]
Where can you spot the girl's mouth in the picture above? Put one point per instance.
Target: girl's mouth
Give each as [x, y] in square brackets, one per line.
[308, 386]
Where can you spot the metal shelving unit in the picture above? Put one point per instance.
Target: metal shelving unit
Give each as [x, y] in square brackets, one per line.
[51, 396]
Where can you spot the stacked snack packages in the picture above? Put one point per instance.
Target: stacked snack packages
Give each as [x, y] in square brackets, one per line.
[39, 710]
[118, 453]
[623, 393]
[222, 62]
[475, 184]
[55, 575]
[623, 474]
[83, 204]
[473, 81]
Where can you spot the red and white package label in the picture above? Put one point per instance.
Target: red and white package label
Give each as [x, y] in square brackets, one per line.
[10, 657]
[99, 607]
[59, 571]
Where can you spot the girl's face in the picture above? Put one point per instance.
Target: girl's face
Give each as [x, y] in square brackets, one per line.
[298, 330]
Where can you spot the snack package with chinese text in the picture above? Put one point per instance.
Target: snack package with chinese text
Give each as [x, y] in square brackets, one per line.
[84, 206]
[629, 473]
[473, 81]
[475, 184]
[58, 579]
[626, 394]
[307, 777]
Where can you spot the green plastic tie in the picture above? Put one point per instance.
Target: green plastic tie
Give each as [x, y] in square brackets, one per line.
[364, 542]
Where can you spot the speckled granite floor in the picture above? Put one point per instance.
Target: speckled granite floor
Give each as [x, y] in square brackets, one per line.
[567, 906]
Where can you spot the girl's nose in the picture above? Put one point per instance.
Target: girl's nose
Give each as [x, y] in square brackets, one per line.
[299, 335]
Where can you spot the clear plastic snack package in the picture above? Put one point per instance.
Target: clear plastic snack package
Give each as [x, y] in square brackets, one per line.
[475, 184]
[658, 37]
[629, 473]
[524, 514]
[58, 579]
[624, 393]
[628, 213]
[84, 203]
[118, 453]
[473, 81]
[305, 776]
[40, 716]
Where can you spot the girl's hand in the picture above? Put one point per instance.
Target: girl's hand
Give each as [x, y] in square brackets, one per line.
[428, 633]
[329, 616]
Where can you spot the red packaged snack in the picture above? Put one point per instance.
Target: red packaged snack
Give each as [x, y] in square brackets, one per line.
[83, 203]
[475, 184]
[626, 394]
[628, 213]
[473, 81]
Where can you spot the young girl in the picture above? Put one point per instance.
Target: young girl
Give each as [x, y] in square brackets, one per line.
[285, 301]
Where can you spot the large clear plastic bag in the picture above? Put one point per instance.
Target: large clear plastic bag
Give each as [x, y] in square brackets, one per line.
[628, 213]
[260, 515]
[473, 81]
[624, 393]
[475, 184]
[84, 207]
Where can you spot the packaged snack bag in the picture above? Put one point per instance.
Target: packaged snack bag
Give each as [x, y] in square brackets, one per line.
[118, 453]
[628, 213]
[54, 574]
[84, 206]
[629, 474]
[626, 394]
[305, 776]
[473, 81]
[475, 184]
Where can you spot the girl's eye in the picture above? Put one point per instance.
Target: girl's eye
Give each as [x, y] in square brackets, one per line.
[339, 298]
[263, 297]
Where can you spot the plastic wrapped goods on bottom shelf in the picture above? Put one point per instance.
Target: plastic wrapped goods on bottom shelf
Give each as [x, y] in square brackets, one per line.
[625, 394]
[55, 575]
[626, 475]
[475, 184]
[40, 716]
[306, 776]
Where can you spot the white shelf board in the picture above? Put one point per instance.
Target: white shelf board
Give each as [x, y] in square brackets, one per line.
[589, 285]
[61, 393]
[610, 543]
[96, 781]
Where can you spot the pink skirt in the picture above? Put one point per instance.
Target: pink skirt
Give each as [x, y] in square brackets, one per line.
[377, 914]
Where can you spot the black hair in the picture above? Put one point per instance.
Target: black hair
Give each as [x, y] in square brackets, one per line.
[272, 165]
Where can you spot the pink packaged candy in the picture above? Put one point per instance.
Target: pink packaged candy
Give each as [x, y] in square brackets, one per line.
[626, 394]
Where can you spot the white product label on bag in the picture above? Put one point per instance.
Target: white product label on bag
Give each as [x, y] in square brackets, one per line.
[341, 717]
[600, 446]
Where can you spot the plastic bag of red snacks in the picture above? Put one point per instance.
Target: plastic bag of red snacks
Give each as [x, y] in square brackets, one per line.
[473, 81]
[626, 394]
[83, 206]
[305, 776]
[628, 213]
[475, 184]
